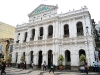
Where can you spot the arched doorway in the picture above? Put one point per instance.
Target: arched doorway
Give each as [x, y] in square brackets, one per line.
[16, 57]
[67, 59]
[31, 54]
[40, 59]
[50, 58]
[81, 51]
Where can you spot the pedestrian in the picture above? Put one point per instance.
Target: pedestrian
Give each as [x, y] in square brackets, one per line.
[85, 66]
[24, 65]
[93, 65]
[51, 67]
[3, 67]
[32, 65]
[44, 66]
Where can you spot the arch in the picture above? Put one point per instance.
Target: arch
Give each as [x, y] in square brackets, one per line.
[31, 56]
[82, 51]
[16, 57]
[67, 59]
[40, 33]
[50, 58]
[25, 37]
[33, 34]
[40, 59]
[50, 31]
[79, 29]
[66, 30]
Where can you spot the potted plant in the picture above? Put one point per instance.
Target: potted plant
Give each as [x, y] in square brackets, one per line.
[22, 61]
[81, 59]
[9, 60]
[60, 61]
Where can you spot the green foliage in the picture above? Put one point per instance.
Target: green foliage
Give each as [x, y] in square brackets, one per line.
[9, 59]
[60, 59]
[82, 58]
[22, 59]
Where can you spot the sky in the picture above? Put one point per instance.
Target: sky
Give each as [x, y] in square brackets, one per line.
[15, 12]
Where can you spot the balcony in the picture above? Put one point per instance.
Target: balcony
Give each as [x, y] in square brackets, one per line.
[24, 40]
[66, 35]
[31, 39]
[17, 41]
[40, 37]
[79, 34]
[49, 36]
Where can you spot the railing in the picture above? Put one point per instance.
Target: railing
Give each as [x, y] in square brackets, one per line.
[66, 35]
[79, 34]
[49, 36]
[17, 41]
[31, 39]
[40, 37]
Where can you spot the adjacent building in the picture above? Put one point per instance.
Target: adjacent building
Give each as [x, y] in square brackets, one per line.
[6, 47]
[7, 33]
[49, 34]
[6, 30]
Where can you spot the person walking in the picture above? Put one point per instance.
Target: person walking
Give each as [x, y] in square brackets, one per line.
[3, 67]
[93, 65]
[51, 67]
[24, 65]
[32, 65]
[44, 66]
[85, 66]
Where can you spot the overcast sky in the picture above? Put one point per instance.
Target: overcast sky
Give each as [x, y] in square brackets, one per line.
[15, 12]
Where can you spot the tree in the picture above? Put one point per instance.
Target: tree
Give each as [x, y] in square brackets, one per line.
[60, 59]
[9, 59]
[82, 58]
[22, 59]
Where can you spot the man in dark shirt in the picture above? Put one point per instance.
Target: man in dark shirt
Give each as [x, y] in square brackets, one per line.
[3, 67]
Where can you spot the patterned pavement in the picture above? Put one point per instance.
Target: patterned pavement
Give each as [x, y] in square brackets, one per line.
[16, 71]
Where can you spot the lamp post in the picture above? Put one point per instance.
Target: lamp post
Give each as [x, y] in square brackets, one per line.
[88, 44]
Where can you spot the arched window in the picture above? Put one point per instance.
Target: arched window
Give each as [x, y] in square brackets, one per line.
[50, 31]
[79, 29]
[33, 34]
[40, 33]
[25, 37]
[66, 30]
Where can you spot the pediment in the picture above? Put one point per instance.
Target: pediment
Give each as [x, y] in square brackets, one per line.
[42, 8]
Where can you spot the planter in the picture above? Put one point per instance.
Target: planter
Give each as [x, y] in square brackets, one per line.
[21, 65]
[8, 64]
[60, 67]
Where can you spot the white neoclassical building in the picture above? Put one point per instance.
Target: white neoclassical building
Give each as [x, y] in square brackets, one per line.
[48, 34]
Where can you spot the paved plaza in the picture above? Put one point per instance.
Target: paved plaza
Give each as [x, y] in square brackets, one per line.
[16, 71]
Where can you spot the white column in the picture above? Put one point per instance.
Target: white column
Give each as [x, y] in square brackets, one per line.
[29, 35]
[36, 33]
[22, 37]
[15, 38]
[27, 57]
[19, 57]
[13, 57]
[56, 29]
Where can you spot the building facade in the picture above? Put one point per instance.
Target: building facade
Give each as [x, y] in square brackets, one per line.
[6, 30]
[6, 47]
[48, 34]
